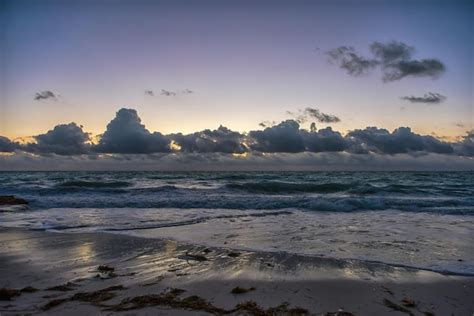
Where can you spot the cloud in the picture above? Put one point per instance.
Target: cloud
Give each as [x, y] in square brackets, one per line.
[430, 97]
[64, 139]
[289, 138]
[304, 161]
[391, 52]
[125, 134]
[6, 145]
[466, 146]
[321, 117]
[221, 140]
[324, 140]
[150, 93]
[401, 140]
[352, 62]
[44, 95]
[393, 58]
[169, 93]
[284, 137]
[309, 114]
[267, 124]
[418, 68]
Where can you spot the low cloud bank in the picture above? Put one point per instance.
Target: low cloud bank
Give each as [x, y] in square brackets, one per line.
[126, 135]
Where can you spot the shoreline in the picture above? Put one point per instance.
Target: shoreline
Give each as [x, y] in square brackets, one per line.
[147, 268]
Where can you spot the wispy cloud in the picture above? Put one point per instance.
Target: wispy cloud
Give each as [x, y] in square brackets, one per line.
[430, 97]
[313, 114]
[45, 95]
[170, 93]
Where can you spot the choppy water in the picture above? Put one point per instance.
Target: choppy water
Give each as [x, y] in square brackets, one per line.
[422, 219]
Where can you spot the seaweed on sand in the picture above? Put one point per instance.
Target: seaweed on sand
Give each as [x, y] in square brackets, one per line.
[63, 287]
[254, 309]
[396, 307]
[95, 297]
[242, 290]
[170, 299]
[8, 294]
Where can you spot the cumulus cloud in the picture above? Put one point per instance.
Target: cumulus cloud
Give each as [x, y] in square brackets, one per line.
[324, 140]
[393, 58]
[6, 145]
[150, 93]
[289, 138]
[430, 97]
[125, 134]
[44, 95]
[284, 137]
[466, 146]
[221, 140]
[401, 140]
[63, 139]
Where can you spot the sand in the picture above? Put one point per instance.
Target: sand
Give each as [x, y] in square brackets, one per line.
[142, 276]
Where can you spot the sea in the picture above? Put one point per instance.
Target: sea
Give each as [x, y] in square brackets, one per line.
[423, 220]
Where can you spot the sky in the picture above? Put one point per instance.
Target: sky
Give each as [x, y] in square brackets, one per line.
[187, 66]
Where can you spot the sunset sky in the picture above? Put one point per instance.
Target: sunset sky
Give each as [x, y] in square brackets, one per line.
[245, 63]
[186, 66]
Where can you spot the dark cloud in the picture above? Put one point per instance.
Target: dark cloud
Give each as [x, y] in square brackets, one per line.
[418, 68]
[220, 140]
[284, 137]
[44, 95]
[288, 137]
[391, 52]
[324, 140]
[150, 93]
[430, 97]
[6, 145]
[394, 59]
[64, 139]
[125, 134]
[401, 140]
[352, 62]
[466, 146]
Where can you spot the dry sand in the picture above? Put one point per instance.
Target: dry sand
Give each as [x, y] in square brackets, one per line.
[163, 277]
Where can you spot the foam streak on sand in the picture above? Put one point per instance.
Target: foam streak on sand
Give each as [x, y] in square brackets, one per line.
[150, 275]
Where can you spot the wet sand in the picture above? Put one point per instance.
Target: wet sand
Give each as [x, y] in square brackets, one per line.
[164, 277]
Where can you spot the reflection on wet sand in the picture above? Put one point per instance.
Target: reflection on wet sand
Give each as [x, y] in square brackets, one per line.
[90, 263]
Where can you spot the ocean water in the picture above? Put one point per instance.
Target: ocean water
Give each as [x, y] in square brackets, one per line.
[417, 219]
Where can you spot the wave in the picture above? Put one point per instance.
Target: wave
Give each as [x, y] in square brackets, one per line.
[94, 184]
[289, 187]
[199, 220]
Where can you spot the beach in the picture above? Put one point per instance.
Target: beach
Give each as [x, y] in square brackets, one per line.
[236, 243]
[99, 273]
